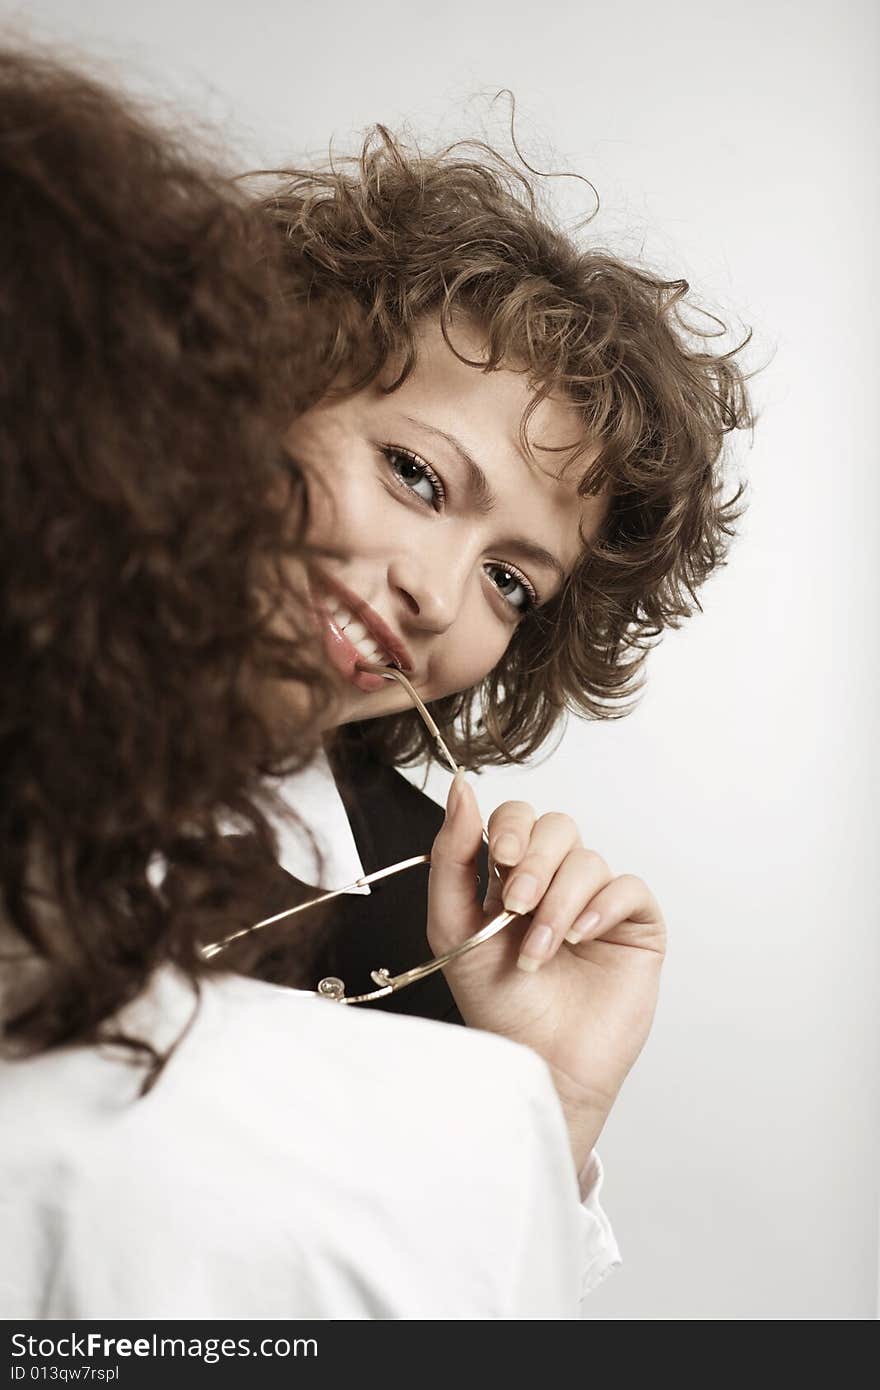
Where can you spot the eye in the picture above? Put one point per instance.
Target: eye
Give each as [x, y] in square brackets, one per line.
[416, 476]
[513, 586]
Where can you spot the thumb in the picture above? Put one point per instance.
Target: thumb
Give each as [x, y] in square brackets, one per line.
[454, 911]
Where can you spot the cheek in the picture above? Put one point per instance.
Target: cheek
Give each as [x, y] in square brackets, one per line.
[470, 650]
[345, 511]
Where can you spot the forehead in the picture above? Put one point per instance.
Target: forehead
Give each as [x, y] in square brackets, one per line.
[534, 479]
[450, 371]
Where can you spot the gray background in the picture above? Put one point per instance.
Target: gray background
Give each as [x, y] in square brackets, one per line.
[735, 145]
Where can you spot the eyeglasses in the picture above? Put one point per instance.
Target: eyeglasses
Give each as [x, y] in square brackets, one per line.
[333, 988]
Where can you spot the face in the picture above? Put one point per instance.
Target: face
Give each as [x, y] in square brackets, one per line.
[450, 533]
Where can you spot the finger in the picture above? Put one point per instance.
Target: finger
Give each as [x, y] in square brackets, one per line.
[578, 879]
[453, 905]
[509, 828]
[552, 838]
[626, 911]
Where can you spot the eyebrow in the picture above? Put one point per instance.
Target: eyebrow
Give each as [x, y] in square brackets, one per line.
[482, 498]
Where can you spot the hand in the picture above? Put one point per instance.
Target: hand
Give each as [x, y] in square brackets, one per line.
[585, 1004]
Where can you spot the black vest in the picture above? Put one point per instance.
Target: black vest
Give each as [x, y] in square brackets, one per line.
[356, 934]
[391, 820]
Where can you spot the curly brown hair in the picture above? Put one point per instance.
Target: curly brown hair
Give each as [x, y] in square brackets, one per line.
[149, 521]
[376, 243]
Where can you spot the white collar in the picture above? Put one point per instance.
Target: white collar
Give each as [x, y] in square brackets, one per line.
[313, 796]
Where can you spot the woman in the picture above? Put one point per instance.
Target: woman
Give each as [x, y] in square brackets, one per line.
[519, 443]
[188, 1143]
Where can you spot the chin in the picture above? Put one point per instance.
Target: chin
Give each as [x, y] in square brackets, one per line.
[378, 706]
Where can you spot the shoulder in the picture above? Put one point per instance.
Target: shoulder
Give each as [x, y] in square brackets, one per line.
[423, 1059]
[298, 1140]
[272, 1063]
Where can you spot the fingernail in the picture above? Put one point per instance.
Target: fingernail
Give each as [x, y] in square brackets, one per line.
[536, 948]
[453, 800]
[506, 849]
[520, 893]
[582, 927]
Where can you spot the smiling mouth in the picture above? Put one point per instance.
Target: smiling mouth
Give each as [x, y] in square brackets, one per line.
[357, 633]
[358, 642]
[353, 630]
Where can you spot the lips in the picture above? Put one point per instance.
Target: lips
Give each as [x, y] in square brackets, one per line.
[353, 633]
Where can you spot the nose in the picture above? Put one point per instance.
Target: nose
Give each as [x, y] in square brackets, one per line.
[429, 586]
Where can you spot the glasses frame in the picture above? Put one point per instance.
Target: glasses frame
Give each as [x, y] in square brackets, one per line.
[333, 988]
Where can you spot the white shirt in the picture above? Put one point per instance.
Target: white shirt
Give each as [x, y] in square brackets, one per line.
[296, 1159]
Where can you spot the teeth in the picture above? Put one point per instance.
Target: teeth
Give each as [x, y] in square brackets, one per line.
[358, 635]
